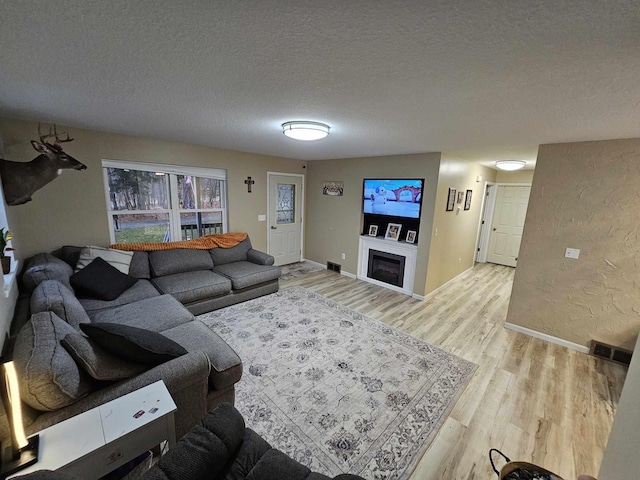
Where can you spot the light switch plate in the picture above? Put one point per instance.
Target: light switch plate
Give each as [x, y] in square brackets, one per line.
[572, 253]
[262, 218]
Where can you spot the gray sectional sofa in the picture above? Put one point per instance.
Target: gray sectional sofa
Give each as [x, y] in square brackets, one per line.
[172, 287]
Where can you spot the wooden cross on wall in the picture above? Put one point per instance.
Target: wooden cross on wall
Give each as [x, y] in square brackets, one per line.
[248, 182]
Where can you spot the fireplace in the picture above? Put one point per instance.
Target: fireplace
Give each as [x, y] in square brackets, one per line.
[386, 267]
[389, 264]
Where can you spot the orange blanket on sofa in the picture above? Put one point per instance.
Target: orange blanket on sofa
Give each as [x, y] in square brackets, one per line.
[224, 240]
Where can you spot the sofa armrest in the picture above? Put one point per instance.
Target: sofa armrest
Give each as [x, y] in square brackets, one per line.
[186, 378]
[260, 258]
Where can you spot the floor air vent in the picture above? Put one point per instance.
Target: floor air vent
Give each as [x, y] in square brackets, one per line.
[615, 354]
[334, 266]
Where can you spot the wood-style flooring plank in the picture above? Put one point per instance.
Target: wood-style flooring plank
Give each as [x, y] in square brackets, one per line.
[536, 401]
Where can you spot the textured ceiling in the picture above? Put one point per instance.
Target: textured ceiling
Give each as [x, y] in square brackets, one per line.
[390, 77]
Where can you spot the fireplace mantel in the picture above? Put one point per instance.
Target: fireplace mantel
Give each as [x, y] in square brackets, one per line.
[407, 250]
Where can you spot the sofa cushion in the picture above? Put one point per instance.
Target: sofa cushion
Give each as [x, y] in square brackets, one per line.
[70, 254]
[49, 378]
[193, 286]
[117, 258]
[46, 267]
[222, 256]
[53, 296]
[141, 289]
[226, 366]
[133, 343]
[97, 362]
[206, 450]
[101, 280]
[156, 313]
[247, 274]
[178, 260]
[139, 267]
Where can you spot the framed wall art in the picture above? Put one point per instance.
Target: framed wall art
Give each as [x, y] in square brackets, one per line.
[335, 189]
[467, 200]
[451, 199]
[460, 196]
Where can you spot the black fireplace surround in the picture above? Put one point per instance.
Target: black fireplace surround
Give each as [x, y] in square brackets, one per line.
[386, 267]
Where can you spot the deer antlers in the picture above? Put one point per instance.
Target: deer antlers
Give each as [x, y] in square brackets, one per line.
[53, 133]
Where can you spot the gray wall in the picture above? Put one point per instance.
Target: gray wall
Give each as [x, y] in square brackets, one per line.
[584, 195]
[334, 224]
[72, 209]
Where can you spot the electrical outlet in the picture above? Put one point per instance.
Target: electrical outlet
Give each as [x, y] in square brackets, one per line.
[344, 255]
[459, 259]
[572, 253]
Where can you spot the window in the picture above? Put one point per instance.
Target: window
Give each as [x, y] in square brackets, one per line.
[162, 203]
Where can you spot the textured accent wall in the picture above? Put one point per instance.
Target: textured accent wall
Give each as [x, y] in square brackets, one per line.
[453, 249]
[72, 209]
[584, 195]
[335, 223]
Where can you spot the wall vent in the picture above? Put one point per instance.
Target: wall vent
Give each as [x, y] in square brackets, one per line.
[334, 266]
[615, 354]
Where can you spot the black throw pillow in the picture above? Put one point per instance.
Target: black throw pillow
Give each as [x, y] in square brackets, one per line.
[133, 343]
[101, 280]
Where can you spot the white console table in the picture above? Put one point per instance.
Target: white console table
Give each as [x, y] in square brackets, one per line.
[94, 443]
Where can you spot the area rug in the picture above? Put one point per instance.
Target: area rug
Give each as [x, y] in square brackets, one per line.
[334, 389]
[298, 269]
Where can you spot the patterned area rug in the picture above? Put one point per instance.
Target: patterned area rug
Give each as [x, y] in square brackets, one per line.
[336, 390]
[294, 270]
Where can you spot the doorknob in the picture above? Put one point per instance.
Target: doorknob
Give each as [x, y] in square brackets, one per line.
[273, 228]
[493, 229]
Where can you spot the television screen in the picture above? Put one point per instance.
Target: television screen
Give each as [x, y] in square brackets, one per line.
[395, 197]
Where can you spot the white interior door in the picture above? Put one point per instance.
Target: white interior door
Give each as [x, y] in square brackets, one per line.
[285, 218]
[508, 224]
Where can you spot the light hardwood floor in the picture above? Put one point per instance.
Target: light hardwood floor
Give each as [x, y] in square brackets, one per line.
[533, 400]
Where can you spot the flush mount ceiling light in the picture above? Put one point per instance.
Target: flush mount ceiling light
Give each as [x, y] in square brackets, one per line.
[306, 131]
[510, 164]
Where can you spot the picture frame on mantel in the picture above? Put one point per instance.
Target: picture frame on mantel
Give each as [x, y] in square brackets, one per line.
[411, 236]
[451, 200]
[467, 200]
[393, 231]
[373, 230]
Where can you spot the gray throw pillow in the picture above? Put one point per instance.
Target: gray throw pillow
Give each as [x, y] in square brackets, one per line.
[48, 377]
[97, 362]
[133, 343]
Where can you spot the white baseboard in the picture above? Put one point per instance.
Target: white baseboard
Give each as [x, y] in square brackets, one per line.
[314, 263]
[347, 274]
[422, 298]
[433, 292]
[547, 338]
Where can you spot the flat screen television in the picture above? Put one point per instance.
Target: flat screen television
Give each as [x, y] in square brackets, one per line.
[396, 197]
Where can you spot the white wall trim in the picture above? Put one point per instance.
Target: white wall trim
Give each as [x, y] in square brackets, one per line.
[314, 263]
[433, 292]
[347, 274]
[422, 298]
[547, 338]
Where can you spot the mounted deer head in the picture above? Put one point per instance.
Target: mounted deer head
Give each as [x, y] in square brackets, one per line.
[21, 179]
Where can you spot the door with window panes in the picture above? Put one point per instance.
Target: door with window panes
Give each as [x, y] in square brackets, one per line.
[285, 215]
[158, 203]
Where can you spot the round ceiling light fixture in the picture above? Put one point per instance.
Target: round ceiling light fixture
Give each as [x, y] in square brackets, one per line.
[510, 165]
[306, 131]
